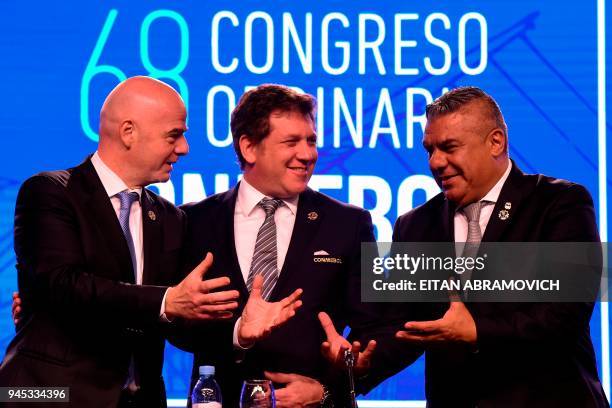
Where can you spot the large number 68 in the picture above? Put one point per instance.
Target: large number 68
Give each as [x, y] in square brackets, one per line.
[173, 73]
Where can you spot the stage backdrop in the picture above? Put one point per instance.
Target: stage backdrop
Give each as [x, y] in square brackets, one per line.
[372, 66]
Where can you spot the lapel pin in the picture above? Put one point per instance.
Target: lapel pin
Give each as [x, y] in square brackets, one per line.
[508, 205]
[152, 215]
[503, 215]
[313, 215]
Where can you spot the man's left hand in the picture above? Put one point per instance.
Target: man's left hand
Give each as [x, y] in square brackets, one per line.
[299, 391]
[456, 326]
[260, 317]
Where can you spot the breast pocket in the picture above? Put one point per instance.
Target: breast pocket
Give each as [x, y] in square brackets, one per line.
[323, 277]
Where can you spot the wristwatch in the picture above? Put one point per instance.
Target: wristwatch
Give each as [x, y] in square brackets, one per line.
[326, 399]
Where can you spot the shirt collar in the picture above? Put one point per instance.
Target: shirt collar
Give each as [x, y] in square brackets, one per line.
[111, 182]
[493, 195]
[249, 197]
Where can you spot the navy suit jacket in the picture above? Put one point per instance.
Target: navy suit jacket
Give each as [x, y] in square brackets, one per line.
[330, 283]
[83, 318]
[529, 354]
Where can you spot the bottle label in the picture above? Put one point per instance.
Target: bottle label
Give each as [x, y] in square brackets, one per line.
[212, 404]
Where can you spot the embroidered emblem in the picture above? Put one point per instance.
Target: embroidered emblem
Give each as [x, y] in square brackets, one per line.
[327, 259]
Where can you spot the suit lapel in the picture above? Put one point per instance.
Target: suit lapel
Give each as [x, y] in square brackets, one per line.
[304, 231]
[152, 238]
[445, 230]
[515, 189]
[102, 214]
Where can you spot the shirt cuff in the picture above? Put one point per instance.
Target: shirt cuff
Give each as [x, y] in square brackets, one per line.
[237, 345]
[162, 310]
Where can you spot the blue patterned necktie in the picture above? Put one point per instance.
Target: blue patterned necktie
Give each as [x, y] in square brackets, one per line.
[127, 199]
[264, 260]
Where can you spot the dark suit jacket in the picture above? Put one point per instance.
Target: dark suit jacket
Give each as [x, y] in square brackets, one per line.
[82, 319]
[321, 223]
[529, 354]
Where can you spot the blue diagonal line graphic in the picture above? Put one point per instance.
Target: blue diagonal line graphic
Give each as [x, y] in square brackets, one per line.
[558, 74]
[516, 154]
[545, 115]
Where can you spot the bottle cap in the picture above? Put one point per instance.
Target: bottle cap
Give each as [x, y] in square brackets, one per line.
[207, 370]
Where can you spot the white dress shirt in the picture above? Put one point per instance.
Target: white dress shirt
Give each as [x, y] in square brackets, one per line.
[113, 185]
[248, 218]
[461, 221]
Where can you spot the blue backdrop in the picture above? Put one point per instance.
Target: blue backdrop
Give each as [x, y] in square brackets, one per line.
[372, 66]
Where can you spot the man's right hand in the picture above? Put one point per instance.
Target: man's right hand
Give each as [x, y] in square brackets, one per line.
[260, 317]
[334, 347]
[194, 299]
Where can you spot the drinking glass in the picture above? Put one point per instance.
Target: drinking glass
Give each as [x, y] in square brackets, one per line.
[257, 394]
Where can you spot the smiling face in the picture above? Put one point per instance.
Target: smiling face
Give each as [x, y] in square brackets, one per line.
[281, 164]
[467, 153]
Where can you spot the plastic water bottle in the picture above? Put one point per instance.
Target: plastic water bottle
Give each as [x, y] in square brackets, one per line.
[206, 393]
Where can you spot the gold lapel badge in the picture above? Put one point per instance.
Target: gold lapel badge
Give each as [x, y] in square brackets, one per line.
[508, 205]
[152, 215]
[313, 215]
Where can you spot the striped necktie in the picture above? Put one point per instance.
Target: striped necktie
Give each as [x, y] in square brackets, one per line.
[474, 236]
[264, 260]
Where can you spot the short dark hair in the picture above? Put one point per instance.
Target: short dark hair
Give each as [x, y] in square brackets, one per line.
[251, 117]
[457, 98]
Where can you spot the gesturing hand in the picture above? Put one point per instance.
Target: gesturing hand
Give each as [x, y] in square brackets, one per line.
[260, 317]
[193, 298]
[334, 347]
[457, 325]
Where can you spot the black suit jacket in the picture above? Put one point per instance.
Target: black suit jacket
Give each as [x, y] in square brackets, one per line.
[529, 354]
[322, 223]
[83, 317]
